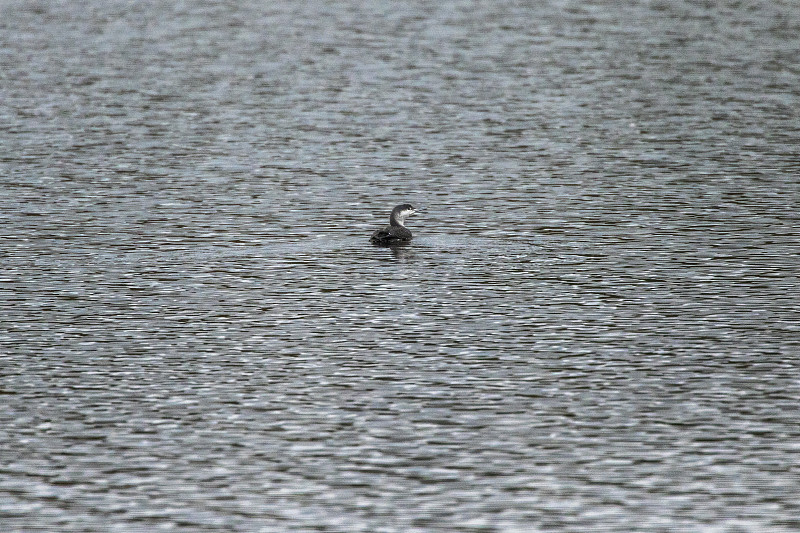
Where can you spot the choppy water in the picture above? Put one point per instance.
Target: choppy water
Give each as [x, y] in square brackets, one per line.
[596, 327]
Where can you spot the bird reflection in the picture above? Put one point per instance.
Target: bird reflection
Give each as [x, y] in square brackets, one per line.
[400, 250]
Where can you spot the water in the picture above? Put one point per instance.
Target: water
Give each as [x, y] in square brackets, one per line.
[596, 326]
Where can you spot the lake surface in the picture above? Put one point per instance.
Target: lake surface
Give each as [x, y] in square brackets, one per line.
[595, 328]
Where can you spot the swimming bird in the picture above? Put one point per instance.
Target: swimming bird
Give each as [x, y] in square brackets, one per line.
[395, 232]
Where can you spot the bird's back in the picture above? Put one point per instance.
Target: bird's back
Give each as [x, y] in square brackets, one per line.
[391, 234]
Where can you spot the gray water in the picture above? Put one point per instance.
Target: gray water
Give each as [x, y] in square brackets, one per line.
[595, 328]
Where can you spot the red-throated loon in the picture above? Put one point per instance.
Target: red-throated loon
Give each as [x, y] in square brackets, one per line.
[395, 232]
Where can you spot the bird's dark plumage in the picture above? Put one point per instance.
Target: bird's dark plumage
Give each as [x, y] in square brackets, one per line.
[391, 234]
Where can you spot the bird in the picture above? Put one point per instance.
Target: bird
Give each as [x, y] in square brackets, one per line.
[395, 232]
